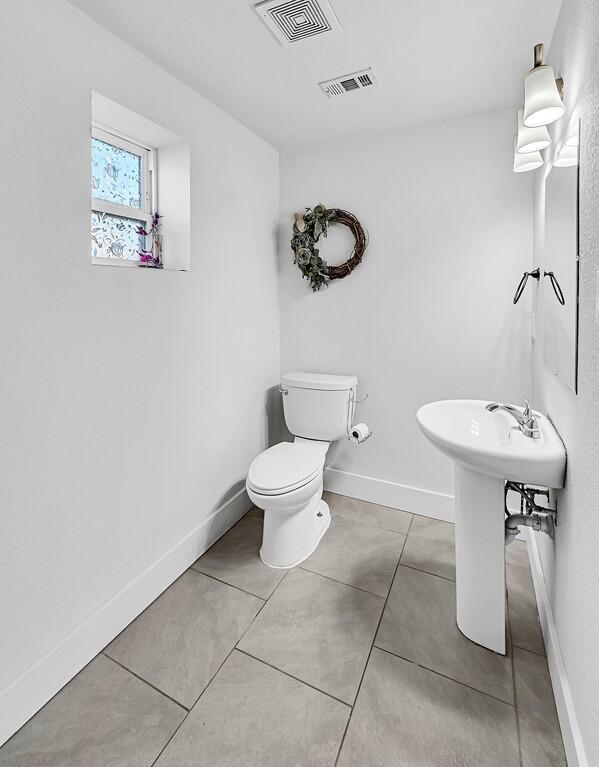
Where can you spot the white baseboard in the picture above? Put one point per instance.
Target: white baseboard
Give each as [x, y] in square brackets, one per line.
[32, 689]
[573, 742]
[427, 503]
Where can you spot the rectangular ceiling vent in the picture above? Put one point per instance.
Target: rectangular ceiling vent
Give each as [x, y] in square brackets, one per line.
[294, 20]
[339, 86]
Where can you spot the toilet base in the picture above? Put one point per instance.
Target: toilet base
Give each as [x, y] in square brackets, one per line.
[289, 539]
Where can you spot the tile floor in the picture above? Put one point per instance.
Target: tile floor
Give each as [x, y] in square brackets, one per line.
[353, 658]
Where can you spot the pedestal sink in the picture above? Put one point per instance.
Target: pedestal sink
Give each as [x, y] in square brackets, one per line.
[488, 448]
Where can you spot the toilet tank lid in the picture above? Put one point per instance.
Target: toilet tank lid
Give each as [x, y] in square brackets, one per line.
[321, 381]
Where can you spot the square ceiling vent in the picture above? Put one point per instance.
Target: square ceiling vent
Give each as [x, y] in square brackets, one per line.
[357, 81]
[294, 20]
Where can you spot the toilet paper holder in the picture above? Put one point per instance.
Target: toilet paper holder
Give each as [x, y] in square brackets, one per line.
[357, 433]
[352, 402]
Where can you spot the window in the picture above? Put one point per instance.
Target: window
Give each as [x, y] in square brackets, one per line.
[122, 195]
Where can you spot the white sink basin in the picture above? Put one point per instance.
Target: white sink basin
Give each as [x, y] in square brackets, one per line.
[488, 448]
[492, 443]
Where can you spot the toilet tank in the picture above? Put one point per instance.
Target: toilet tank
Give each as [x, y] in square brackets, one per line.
[318, 405]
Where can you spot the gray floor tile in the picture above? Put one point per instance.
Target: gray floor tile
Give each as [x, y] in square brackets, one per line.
[419, 624]
[317, 630]
[406, 716]
[104, 717]
[373, 514]
[252, 715]
[430, 546]
[235, 558]
[180, 640]
[357, 554]
[330, 498]
[540, 736]
[522, 604]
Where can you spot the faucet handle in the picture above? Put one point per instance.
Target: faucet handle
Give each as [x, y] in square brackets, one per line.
[529, 412]
[531, 421]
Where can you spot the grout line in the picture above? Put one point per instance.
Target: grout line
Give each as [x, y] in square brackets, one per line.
[163, 749]
[212, 678]
[371, 648]
[368, 522]
[295, 678]
[262, 606]
[251, 623]
[509, 621]
[444, 676]
[384, 506]
[145, 681]
[342, 583]
[432, 519]
[226, 583]
[333, 506]
[532, 652]
[427, 572]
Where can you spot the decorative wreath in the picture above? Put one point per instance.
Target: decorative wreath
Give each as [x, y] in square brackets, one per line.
[308, 228]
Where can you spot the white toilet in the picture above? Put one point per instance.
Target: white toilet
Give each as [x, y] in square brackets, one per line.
[286, 479]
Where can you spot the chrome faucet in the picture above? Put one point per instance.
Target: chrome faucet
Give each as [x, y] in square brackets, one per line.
[526, 419]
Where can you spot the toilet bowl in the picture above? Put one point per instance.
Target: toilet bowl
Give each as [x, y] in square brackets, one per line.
[287, 481]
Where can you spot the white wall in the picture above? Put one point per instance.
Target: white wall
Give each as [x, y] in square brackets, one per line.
[571, 565]
[132, 401]
[428, 315]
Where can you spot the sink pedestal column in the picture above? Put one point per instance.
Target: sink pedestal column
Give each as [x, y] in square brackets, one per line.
[480, 557]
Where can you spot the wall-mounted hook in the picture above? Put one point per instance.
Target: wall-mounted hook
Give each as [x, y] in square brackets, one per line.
[536, 274]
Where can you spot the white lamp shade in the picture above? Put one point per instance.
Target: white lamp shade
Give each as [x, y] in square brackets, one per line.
[528, 161]
[573, 139]
[567, 156]
[542, 102]
[531, 139]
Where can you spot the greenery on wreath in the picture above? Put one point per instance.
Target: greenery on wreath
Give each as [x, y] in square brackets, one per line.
[308, 228]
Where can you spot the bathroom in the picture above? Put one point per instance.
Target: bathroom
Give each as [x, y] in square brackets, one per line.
[145, 618]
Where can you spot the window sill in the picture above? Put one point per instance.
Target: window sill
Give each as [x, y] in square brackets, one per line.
[124, 263]
[114, 262]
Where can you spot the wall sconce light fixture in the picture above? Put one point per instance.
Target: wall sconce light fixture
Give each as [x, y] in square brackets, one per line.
[542, 98]
[531, 139]
[567, 156]
[526, 161]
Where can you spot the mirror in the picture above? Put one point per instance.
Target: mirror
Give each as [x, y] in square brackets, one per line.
[560, 272]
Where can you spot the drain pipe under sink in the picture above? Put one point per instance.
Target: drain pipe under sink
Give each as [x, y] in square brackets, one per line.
[537, 517]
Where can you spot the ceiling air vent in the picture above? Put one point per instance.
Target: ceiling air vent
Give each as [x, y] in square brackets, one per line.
[339, 86]
[293, 20]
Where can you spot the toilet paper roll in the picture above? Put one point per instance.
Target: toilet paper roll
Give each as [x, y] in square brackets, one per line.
[360, 433]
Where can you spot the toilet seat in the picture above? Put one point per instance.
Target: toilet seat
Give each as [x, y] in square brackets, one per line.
[286, 467]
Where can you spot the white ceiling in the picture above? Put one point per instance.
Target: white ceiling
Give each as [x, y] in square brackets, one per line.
[435, 59]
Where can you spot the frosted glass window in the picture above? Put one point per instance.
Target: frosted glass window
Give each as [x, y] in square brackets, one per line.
[116, 174]
[122, 197]
[115, 237]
